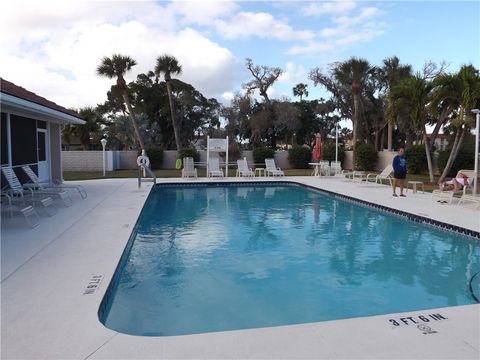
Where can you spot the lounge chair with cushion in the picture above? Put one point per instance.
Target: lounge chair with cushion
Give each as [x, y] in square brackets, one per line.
[447, 196]
[189, 169]
[243, 169]
[384, 175]
[272, 169]
[214, 167]
[50, 185]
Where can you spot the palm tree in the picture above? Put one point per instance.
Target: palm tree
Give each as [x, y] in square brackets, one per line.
[392, 73]
[354, 73]
[90, 129]
[300, 90]
[462, 90]
[117, 66]
[412, 96]
[168, 66]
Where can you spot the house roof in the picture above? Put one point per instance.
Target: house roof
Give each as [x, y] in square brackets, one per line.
[10, 88]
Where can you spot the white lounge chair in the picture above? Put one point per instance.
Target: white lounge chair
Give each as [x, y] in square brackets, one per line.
[336, 168]
[243, 169]
[384, 175]
[16, 193]
[214, 167]
[189, 169]
[28, 212]
[271, 168]
[47, 185]
[447, 196]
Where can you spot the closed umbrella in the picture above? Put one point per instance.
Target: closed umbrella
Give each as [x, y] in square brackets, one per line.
[317, 150]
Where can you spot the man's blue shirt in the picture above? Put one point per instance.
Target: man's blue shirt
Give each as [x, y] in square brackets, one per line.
[399, 164]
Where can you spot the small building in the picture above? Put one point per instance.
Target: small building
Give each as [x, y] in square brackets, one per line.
[31, 131]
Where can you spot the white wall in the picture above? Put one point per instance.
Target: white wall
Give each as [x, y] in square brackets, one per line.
[115, 160]
[384, 158]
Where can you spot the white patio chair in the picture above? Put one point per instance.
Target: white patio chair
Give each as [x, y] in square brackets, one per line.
[28, 212]
[189, 169]
[271, 168]
[324, 167]
[214, 167]
[336, 168]
[16, 193]
[243, 169]
[384, 175]
[446, 196]
[47, 185]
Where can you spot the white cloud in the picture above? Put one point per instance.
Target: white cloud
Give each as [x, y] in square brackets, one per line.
[260, 24]
[203, 12]
[330, 7]
[228, 96]
[293, 74]
[351, 29]
[365, 15]
[55, 48]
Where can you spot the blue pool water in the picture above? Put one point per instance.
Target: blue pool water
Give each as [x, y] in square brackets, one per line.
[216, 258]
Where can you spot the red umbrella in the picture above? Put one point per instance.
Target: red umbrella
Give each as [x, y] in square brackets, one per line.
[317, 150]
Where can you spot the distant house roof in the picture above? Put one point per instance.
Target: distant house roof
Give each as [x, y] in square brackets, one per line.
[10, 88]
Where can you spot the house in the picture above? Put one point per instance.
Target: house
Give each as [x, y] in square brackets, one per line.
[31, 131]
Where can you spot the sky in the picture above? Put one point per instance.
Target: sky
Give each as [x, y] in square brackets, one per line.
[54, 47]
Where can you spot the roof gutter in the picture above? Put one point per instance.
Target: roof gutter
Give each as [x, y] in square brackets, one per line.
[39, 112]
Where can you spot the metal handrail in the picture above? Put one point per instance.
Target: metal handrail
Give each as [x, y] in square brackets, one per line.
[143, 167]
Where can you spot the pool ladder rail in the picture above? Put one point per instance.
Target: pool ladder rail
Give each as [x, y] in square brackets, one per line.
[143, 163]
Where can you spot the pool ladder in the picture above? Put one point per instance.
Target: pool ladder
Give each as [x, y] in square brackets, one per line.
[143, 170]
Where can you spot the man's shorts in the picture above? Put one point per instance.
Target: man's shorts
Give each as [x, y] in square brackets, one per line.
[399, 175]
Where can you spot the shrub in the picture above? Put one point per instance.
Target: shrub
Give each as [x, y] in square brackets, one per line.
[155, 154]
[299, 157]
[416, 159]
[365, 156]
[465, 159]
[329, 152]
[190, 152]
[262, 153]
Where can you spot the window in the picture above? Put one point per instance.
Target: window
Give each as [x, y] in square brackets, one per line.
[4, 139]
[23, 139]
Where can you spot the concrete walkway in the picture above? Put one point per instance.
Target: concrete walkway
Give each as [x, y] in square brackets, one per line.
[55, 275]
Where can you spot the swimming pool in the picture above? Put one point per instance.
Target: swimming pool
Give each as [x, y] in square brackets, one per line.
[222, 257]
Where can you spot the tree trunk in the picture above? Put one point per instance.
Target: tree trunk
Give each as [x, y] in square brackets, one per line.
[389, 136]
[429, 158]
[443, 118]
[356, 107]
[453, 154]
[134, 121]
[172, 113]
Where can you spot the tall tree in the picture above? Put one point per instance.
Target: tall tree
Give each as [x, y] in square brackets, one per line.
[168, 65]
[117, 66]
[463, 91]
[91, 128]
[391, 74]
[352, 75]
[300, 90]
[263, 78]
[413, 96]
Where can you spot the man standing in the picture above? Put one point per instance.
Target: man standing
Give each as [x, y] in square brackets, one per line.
[399, 171]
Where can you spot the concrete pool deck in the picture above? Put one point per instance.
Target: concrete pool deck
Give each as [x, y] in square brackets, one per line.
[49, 310]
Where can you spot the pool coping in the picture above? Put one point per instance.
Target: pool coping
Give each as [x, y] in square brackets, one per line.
[31, 328]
